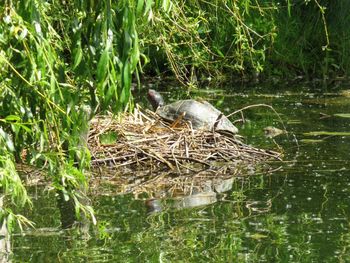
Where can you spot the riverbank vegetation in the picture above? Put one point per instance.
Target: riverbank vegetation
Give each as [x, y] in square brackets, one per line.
[61, 62]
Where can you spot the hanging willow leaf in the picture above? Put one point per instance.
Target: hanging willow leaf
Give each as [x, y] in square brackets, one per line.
[102, 66]
[166, 5]
[78, 55]
[135, 53]
[149, 4]
[289, 5]
[124, 96]
[111, 91]
[7, 139]
[139, 7]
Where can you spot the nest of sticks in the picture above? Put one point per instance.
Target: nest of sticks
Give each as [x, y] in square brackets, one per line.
[142, 139]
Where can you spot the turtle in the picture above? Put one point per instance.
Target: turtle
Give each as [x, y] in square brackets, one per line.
[201, 114]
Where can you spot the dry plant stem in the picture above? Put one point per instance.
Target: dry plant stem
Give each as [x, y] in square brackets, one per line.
[258, 105]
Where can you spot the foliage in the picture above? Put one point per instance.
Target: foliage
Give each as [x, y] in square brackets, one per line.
[311, 39]
[200, 40]
[11, 185]
[60, 63]
[210, 39]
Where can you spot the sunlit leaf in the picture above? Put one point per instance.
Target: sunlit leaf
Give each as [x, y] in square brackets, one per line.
[108, 138]
[7, 139]
[149, 4]
[10, 222]
[289, 5]
[342, 115]
[77, 57]
[167, 5]
[258, 236]
[110, 92]
[12, 118]
[124, 97]
[102, 65]
[319, 133]
[310, 141]
[24, 127]
[139, 7]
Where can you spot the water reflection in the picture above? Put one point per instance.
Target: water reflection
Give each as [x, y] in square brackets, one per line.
[205, 193]
[299, 213]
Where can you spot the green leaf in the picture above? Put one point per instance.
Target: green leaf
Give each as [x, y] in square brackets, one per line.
[110, 92]
[77, 57]
[124, 97]
[102, 66]
[24, 127]
[289, 7]
[310, 141]
[135, 57]
[10, 222]
[108, 138]
[149, 4]
[166, 5]
[12, 118]
[246, 6]
[342, 115]
[319, 133]
[139, 7]
[219, 52]
[7, 140]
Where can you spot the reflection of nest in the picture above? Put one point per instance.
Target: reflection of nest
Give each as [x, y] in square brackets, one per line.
[144, 140]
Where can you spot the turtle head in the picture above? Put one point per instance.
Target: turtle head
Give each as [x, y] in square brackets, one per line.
[155, 98]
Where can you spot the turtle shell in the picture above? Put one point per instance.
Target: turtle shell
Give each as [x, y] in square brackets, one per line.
[202, 115]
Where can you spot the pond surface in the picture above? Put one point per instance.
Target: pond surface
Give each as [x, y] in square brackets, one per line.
[299, 213]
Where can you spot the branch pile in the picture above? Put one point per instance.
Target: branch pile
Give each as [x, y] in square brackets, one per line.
[142, 139]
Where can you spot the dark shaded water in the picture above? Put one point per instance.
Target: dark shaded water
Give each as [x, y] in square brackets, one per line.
[300, 213]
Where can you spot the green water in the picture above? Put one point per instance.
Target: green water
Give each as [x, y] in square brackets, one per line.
[300, 213]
